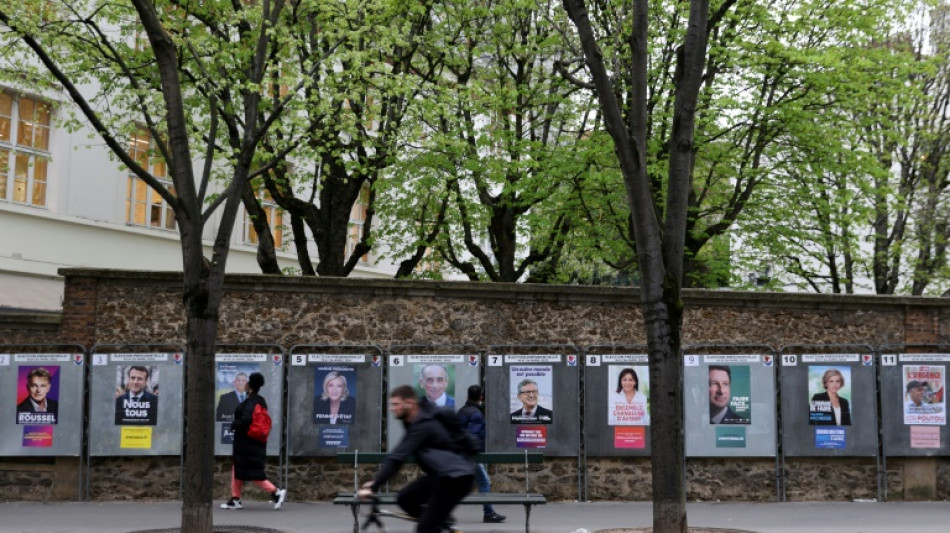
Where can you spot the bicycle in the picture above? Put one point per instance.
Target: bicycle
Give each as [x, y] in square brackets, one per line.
[375, 515]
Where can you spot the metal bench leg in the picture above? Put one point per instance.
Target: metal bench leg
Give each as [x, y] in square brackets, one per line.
[355, 508]
[527, 517]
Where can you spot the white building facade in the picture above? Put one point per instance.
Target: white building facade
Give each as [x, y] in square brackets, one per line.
[64, 202]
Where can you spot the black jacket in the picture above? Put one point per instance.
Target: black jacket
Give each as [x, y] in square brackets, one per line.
[429, 442]
[472, 419]
[249, 454]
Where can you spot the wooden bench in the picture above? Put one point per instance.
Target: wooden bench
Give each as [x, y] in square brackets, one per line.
[526, 498]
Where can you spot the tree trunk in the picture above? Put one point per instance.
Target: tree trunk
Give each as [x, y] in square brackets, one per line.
[201, 312]
[663, 320]
[198, 474]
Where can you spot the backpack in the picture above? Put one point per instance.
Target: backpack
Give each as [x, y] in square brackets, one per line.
[463, 442]
[260, 424]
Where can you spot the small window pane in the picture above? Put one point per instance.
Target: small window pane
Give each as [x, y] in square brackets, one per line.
[20, 178]
[41, 138]
[141, 191]
[25, 126]
[6, 116]
[139, 214]
[169, 217]
[39, 181]
[39, 193]
[158, 168]
[4, 172]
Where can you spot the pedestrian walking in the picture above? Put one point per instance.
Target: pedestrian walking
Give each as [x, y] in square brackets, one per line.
[472, 419]
[251, 422]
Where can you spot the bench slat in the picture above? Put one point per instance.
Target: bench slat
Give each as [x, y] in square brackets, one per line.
[485, 458]
[476, 498]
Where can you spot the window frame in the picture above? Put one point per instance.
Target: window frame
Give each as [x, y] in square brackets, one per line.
[25, 163]
[144, 206]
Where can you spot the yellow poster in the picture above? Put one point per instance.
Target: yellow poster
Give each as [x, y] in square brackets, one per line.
[136, 437]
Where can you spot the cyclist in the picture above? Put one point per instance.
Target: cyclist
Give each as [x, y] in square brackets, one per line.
[448, 475]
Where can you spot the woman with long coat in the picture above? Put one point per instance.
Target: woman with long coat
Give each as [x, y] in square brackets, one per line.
[250, 454]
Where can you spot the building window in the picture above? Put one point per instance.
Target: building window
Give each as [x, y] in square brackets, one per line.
[275, 219]
[354, 231]
[24, 149]
[144, 206]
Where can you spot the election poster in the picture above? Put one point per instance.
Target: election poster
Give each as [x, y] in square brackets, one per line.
[37, 400]
[136, 395]
[924, 402]
[628, 395]
[334, 396]
[436, 383]
[231, 387]
[730, 394]
[829, 392]
[531, 391]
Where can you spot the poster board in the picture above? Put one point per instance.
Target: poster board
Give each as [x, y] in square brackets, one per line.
[616, 405]
[532, 403]
[444, 379]
[829, 405]
[231, 374]
[914, 404]
[42, 403]
[335, 403]
[135, 403]
[730, 405]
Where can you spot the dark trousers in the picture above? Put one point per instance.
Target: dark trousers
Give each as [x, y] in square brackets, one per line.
[431, 500]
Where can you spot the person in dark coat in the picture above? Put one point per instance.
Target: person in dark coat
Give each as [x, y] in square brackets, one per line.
[250, 454]
[448, 474]
[472, 419]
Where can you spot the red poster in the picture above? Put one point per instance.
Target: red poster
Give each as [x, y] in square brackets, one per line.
[630, 437]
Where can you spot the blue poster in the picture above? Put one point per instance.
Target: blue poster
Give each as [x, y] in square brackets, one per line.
[335, 437]
[830, 438]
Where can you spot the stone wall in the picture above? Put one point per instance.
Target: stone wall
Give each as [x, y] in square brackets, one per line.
[119, 307]
[29, 328]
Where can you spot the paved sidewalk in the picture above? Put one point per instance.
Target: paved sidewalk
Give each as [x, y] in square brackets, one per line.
[835, 517]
